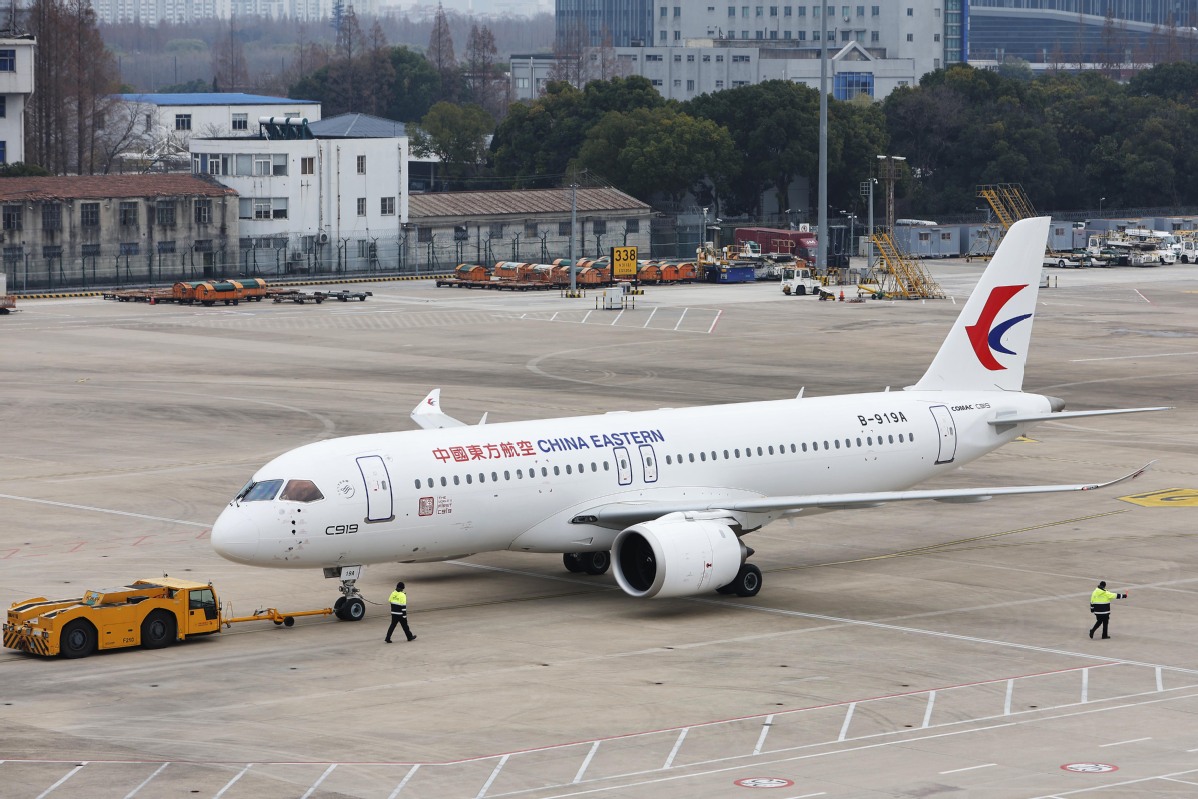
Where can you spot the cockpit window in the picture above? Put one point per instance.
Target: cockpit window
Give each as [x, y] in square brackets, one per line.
[260, 491]
[301, 491]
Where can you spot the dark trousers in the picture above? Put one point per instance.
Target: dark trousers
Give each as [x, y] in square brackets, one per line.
[402, 620]
[1100, 620]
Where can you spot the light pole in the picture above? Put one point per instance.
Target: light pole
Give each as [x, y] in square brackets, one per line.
[890, 173]
[1101, 200]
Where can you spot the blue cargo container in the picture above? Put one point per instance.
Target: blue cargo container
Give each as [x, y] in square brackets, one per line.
[730, 273]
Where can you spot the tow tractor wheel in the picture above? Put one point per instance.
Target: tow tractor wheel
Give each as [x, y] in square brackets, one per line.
[747, 582]
[78, 639]
[573, 562]
[158, 630]
[350, 608]
[596, 562]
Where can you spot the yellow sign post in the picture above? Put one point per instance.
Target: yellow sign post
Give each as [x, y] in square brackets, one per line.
[623, 262]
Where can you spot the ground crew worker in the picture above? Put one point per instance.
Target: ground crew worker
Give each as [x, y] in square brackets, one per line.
[1100, 606]
[399, 612]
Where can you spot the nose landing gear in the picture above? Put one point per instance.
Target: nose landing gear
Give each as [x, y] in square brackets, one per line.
[349, 606]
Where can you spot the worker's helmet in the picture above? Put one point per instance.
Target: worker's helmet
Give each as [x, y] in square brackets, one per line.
[1101, 584]
[399, 586]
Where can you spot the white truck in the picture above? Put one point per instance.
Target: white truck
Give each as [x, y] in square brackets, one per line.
[7, 303]
[798, 280]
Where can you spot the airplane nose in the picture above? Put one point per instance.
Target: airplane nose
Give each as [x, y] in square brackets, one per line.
[235, 536]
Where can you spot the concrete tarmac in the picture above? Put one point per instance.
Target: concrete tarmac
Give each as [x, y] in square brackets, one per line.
[903, 651]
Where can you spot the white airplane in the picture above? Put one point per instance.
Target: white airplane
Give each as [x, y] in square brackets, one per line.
[664, 497]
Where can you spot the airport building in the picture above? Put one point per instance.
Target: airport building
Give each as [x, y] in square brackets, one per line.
[16, 85]
[89, 229]
[314, 195]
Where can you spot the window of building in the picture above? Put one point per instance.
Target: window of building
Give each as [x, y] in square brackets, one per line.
[802, 11]
[367, 248]
[182, 121]
[130, 248]
[14, 217]
[652, 57]
[732, 11]
[785, 34]
[677, 83]
[744, 12]
[677, 12]
[664, 12]
[241, 122]
[387, 206]
[847, 85]
[8, 60]
[128, 214]
[661, 35]
[677, 36]
[262, 165]
[495, 230]
[89, 214]
[935, 37]
[678, 58]
[530, 230]
[4, 107]
[52, 251]
[51, 216]
[563, 228]
[690, 85]
[13, 253]
[910, 37]
[164, 212]
[690, 59]
[910, 12]
[461, 233]
[632, 226]
[308, 165]
[719, 59]
[90, 250]
[261, 207]
[279, 164]
[361, 206]
[719, 84]
[875, 11]
[361, 165]
[424, 235]
[760, 11]
[203, 212]
[873, 37]
[166, 248]
[773, 34]
[3, 151]
[599, 227]
[786, 11]
[202, 245]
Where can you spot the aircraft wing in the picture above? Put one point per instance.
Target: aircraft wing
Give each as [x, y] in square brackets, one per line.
[617, 515]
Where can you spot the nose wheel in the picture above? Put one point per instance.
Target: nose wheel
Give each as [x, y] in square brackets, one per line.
[349, 606]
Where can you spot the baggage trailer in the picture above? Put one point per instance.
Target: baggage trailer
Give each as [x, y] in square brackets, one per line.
[146, 613]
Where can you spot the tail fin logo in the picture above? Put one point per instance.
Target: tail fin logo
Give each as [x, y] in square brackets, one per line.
[985, 335]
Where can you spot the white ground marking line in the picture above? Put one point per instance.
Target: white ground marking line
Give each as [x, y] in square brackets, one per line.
[101, 510]
[680, 318]
[494, 773]
[927, 713]
[848, 718]
[228, 784]
[150, 778]
[1006, 706]
[1183, 782]
[1142, 297]
[866, 747]
[616, 321]
[1160, 683]
[1120, 743]
[677, 745]
[1131, 357]
[554, 317]
[765, 730]
[586, 762]
[1096, 788]
[588, 316]
[809, 795]
[968, 768]
[404, 781]
[715, 322]
[650, 319]
[321, 779]
[1085, 685]
[66, 777]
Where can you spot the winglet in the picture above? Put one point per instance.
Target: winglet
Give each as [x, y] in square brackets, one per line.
[428, 413]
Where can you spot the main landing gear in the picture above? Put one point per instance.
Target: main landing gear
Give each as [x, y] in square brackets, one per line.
[349, 606]
[589, 562]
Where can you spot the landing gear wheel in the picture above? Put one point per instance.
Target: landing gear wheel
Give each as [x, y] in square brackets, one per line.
[747, 582]
[158, 630]
[596, 562]
[352, 608]
[573, 562]
[78, 639]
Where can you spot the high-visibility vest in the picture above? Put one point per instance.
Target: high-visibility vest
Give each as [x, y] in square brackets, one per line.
[401, 599]
[1100, 600]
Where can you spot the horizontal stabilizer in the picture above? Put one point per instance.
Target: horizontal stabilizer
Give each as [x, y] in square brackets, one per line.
[618, 515]
[428, 413]
[1052, 417]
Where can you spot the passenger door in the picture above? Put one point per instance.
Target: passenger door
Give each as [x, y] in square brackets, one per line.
[379, 500]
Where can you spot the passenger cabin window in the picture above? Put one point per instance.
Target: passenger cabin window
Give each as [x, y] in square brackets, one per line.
[301, 491]
[259, 492]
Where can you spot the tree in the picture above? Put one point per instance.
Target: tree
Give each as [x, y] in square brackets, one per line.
[485, 83]
[229, 70]
[440, 54]
[75, 77]
[456, 134]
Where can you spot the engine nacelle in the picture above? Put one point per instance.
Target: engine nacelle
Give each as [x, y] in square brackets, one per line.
[676, 556]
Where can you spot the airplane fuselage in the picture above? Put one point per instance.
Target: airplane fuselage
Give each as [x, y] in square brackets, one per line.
[428, 495]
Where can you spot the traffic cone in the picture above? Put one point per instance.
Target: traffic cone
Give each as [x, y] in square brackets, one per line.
[153, 301]
[842, 295]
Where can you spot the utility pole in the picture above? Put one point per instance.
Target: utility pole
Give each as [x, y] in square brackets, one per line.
[822, 247]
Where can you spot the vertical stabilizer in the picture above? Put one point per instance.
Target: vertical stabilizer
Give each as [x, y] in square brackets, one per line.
[987, 347]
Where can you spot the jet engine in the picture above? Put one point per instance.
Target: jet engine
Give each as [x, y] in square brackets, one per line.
[676, 555]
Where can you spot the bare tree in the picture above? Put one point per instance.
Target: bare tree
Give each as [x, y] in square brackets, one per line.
[229, 70]
[569, 56]
[440, 54]
[485, 81]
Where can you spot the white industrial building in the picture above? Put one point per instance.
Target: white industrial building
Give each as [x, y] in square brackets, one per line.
[314, 196]
[16, 85]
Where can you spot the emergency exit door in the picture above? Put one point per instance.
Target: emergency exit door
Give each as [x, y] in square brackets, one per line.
[379, 502]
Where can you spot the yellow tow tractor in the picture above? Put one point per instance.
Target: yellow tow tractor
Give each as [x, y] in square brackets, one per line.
[146, 613]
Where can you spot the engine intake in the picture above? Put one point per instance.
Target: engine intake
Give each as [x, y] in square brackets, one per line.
[676, 556]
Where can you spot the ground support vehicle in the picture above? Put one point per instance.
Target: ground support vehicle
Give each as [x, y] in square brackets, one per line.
[146, 613]
[798, 281]
[7, 303]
